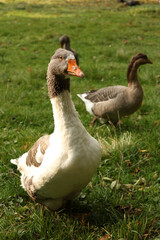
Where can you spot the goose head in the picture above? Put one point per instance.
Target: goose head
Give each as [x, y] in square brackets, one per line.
[64, 40]
[140, 59]
[64, 63]
[135, 62]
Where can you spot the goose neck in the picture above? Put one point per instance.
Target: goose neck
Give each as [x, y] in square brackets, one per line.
[67, 45]
[57, 84]
[64, 111]
[132, 75]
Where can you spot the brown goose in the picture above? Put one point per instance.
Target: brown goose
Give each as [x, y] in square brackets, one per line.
[65, 41]
[112, 103]
[58, 166]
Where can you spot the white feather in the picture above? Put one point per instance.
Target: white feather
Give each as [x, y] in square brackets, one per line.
[70, 56]
[89, 105]
[39, 155]
[14, 161]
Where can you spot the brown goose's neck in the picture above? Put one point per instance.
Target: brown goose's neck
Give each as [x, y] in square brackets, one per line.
[132, 75]
[57, 84]
[67, 45]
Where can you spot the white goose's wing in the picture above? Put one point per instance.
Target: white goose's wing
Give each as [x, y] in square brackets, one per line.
[37, 151]
[29, 160]
[34, 156]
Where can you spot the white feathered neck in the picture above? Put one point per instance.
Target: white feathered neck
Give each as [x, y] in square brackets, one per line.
[64, 112]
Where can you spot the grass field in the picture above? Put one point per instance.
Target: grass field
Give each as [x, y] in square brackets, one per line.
[122, 202]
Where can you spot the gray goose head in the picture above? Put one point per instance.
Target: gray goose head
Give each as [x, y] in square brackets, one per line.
[62, 63]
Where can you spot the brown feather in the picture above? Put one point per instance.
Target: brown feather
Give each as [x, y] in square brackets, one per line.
[43, 142]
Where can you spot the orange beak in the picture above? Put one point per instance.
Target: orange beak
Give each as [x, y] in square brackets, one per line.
[73, 69]
[149, 61]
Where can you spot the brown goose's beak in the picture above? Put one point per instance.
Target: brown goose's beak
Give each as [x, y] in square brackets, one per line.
[61, 45]
[73, 69]
[149, 61]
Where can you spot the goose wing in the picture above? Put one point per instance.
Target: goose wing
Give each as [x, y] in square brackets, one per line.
[37, 151]
[107, 100]
[104, 94]
[34, 156]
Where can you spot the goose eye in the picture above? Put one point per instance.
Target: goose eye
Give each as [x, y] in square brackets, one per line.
[60, 58]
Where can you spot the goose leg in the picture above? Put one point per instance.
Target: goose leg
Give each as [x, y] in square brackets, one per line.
[94, 119]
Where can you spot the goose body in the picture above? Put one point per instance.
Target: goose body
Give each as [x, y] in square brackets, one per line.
[60, 165]
[112, 103]
[65, 41]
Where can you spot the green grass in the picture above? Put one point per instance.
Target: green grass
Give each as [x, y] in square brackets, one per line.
[122, 200]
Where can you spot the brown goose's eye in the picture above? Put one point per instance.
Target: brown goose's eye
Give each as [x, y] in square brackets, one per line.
[60, 58]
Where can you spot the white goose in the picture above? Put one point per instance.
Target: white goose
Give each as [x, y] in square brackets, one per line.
[60, 165]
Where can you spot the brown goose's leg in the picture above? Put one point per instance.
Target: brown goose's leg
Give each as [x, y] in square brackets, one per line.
[94, 119]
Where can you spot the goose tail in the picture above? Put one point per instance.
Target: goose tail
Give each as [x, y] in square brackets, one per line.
[82, 96]
[14, 161]
[88, 103]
